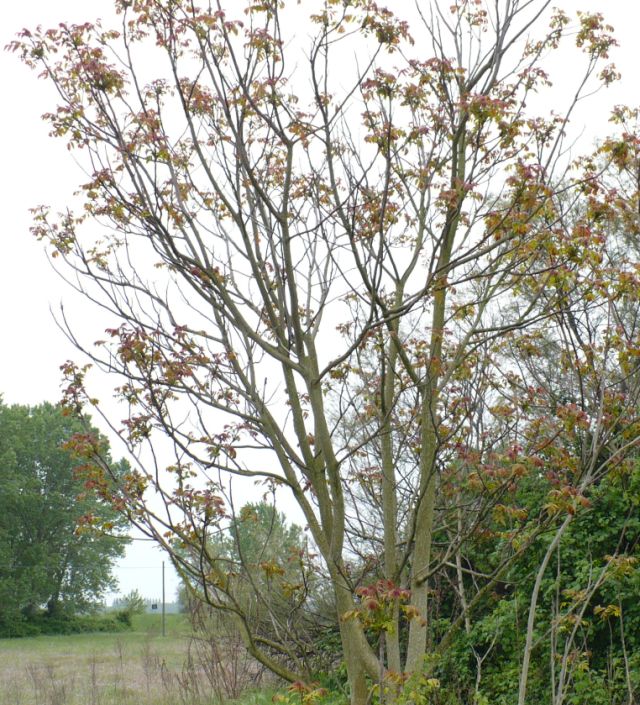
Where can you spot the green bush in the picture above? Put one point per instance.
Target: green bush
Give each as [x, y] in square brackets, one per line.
[124, 617]
[43, 623]
[78, 624]
[19, 626]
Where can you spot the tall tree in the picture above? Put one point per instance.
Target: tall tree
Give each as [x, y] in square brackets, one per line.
[51, 556]
[313, 278]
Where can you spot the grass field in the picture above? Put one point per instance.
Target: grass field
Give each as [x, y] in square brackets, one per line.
[138, 667]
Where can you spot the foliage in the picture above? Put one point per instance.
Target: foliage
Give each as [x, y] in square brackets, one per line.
[133, 603]
[603, 659]
[76, 624]
[49, 557]
[129, 606]
[383, 291]
[44, 623]
[272, 584]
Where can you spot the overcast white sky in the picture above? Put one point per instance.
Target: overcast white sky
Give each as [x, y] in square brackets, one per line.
[37, 170]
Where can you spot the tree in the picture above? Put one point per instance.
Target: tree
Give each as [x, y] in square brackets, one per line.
[50, 557]
[333, 283]
[274, 581]
[133, 603]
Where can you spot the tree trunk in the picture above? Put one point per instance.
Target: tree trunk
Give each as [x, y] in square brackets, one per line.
[389, 489]
[528, 646]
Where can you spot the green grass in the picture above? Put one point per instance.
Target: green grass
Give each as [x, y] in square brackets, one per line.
[176, 625]
[137, 667]
[146, 627]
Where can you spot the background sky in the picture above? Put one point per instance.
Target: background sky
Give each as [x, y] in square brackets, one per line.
[36, 169]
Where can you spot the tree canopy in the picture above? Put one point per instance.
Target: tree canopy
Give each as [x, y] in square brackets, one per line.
[362, 267]
[50, 558]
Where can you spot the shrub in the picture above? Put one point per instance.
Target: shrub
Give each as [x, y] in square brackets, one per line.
[43, 623]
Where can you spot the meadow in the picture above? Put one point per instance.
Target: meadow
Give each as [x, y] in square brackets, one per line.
[137, 667]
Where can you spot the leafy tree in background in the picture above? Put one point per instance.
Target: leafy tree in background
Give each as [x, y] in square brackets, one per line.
[360, 282]
[51, 557]
[133, 603]
[275, 582]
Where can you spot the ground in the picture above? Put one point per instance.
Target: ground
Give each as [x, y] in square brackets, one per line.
[139, 667]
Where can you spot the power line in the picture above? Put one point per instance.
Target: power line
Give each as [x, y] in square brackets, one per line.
[138, 567]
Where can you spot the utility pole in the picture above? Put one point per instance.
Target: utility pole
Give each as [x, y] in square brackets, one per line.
[164, 629]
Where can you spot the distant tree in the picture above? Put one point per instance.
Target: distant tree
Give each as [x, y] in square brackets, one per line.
[51, 554]
[134, 603]
[273, 583]
[129, 605]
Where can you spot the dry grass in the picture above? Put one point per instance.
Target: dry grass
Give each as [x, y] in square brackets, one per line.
[132, 668]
